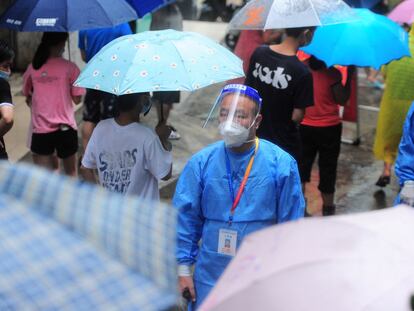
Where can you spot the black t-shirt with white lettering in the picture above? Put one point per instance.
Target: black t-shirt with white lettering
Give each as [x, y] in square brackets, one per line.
[284, 83]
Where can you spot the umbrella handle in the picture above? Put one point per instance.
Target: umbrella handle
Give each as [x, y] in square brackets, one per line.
[161, 112]
[186, 294]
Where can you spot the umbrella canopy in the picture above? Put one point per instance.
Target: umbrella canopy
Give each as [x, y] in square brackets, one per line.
[66, 245]
[65, 15]
[277, 14]
[373, 40]
[143, 7]
[354, 262]
[165, 60]
[403, 13]
[362, 3]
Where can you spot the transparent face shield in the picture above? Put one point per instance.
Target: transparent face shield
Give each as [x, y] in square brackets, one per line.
[236, 104]
[235, 112]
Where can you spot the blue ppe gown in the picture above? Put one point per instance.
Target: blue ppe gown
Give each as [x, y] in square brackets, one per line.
[272, 195]
[404, 165]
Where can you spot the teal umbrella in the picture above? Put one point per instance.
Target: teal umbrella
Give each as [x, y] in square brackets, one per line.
[165, 60]
[373, 40]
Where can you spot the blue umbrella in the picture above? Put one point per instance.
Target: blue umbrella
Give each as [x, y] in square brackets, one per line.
[65, 15]
[362, 3]
[165, 60]
[143, 7]
[372, 41]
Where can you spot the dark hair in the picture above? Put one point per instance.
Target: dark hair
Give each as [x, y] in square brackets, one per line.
[6, 52]
[316, 64]
[49, 39]
[296, 32]
[128, 102]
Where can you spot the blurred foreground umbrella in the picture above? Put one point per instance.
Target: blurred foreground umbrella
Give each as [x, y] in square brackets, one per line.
[143, 7]
[372, 41]
[355, 262]
[403, 13]
[277, 14]
[71, 246]
[65, 15]
[165, 60]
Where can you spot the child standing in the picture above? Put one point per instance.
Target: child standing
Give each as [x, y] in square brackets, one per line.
[48, 85]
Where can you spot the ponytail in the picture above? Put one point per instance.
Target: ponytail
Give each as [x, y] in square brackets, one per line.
[49, 40]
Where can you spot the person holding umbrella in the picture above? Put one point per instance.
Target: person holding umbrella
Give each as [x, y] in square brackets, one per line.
[130, 157]
[6, 102]
[285, 84]
[230, 189]
[48, 87]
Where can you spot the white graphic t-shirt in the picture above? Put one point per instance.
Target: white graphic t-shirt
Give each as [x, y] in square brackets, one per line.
[130, 159]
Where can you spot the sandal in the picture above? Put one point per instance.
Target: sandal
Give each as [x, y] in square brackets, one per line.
[383, 181]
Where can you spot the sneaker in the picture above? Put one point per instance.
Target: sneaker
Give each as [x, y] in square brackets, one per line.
[174, 135]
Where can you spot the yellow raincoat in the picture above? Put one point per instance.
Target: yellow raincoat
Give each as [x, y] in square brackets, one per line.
[396, 100]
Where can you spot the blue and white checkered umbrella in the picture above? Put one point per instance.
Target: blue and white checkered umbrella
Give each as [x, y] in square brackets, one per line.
[165, 60]
[71, 246]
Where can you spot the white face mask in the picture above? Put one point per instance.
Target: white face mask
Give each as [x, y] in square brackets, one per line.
[234, 135]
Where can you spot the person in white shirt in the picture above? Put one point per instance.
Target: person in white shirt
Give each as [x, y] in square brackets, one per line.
[130, 158]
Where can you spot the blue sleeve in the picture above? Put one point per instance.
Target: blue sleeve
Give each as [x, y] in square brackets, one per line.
[404, 165]
[187, 199]
[81, 40]
[124, 30]
[291, 204]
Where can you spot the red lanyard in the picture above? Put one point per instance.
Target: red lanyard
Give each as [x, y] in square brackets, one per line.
[236, 199]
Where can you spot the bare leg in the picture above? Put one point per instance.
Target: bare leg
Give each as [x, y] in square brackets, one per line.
[69, 165]
[327, 199]
[45, 161]
[328, 207]
[306, 201]
[55, 163]
[87, 130]
[387, 169]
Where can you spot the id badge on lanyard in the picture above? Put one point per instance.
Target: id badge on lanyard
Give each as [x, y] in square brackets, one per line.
[227, 241]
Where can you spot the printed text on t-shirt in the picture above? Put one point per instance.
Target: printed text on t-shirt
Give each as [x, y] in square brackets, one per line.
[276, 77]
[116, 169]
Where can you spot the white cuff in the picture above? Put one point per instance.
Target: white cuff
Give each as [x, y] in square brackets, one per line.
[184, 270]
